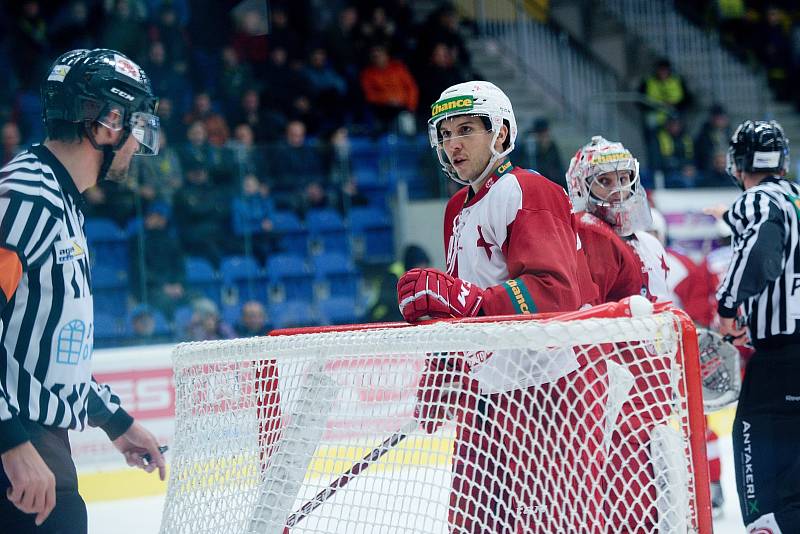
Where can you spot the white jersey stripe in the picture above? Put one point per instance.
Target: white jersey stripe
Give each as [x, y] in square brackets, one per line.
[20, 221]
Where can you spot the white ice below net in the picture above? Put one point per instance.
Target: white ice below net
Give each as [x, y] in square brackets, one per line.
[218, 484]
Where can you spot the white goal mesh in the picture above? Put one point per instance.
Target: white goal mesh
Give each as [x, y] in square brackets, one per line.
[518, 424]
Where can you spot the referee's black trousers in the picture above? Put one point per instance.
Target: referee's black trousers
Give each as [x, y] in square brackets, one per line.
[69, 515]
[766, 438]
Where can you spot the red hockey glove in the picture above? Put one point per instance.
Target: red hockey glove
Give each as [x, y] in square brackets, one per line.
[432, 293]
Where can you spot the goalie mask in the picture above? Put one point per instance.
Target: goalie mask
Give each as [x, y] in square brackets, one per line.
[758, 146]
[603, 179]
[479, 99]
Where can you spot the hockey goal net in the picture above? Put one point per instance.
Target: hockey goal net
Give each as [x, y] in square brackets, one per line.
[588, 422]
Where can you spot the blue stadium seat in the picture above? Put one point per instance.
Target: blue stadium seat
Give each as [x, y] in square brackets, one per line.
[202, 279]
[292, 313]
[230, 314]
[162, 331]
[182, 318]
[326, 228]
[339, 310]
[109, 329]
[107, 242]
[337, 272]
[372, 228]
[289, 275]
[244, 275]
[291, 235]
[109, 289]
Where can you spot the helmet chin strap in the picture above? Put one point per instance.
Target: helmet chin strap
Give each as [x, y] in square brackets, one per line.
[489, 166]
[108, 150]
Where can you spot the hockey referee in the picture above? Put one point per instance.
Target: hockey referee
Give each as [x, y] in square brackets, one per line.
[98, 112]
[764, 280]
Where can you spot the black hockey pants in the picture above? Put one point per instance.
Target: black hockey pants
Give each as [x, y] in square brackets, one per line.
[69, 514]
[766, 438]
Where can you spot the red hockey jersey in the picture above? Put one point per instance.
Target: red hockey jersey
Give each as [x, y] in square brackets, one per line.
[516, 238]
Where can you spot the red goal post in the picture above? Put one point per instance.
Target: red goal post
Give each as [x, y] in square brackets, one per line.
[589, 421]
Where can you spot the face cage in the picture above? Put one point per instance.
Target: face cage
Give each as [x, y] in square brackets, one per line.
[628, 215]
[447, 167]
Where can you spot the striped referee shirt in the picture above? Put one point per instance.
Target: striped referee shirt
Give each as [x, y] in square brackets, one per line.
[47, 322]
[764, 274]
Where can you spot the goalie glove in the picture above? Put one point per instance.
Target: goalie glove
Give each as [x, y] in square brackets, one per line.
[720, 370]
[432, 293]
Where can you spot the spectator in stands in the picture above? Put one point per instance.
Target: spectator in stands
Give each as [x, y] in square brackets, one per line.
[340, 166]
[327, 89]
[287, 89]
[170, 122]
[157, 262]
[217, 160]
[142, 326]
[210, 30]
[123, 29]
[540, 153]
[444, 26]
[775, 50]
[267, 124]
[250, 40]
[439, 73]
[111, 200]
[344, 43]
[389, 88]
[217, 131]
[282, 35]
[73, 26]
[667, 91]
[237, 77]
[385, 308]
[252, 321]
[10, 139]
[170, 30]
[206, 323]
[295, 167]
[202, 215]
[712, 139]
[676, 152]
[158, 177]
[249, 158]
[253, 209]
[31, 48]
[378, 28]
[717, 175]
[165, 80]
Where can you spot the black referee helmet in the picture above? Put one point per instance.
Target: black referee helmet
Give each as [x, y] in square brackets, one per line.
[758, 146]
[101, 85]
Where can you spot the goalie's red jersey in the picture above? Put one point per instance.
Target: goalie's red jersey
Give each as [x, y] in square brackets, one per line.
[516, 238]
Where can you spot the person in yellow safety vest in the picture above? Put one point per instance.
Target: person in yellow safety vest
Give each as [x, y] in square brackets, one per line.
[385, 307]
[666, 91]
[676, 149]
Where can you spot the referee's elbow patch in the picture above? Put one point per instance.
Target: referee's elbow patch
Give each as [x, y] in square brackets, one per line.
[10, 273]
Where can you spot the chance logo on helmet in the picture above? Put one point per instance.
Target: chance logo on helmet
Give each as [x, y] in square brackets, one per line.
[457, 103]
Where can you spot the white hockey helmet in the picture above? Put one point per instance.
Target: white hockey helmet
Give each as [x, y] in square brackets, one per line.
[631, 212]
[479, 98]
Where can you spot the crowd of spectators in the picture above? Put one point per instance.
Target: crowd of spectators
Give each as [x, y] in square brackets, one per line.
[258, 108]
[762, 32]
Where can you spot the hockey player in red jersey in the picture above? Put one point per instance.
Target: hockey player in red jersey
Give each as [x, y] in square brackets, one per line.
[511, 248]
[624, 259]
